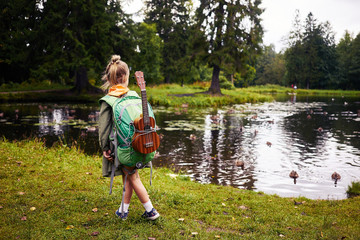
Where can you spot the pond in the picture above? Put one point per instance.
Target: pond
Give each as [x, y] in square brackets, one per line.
[250, 146]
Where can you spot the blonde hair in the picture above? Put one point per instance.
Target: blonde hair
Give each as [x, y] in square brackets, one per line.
[117, 72]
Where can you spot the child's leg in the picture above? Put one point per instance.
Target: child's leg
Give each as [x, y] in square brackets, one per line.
[137, 185]
[128, 190]
[140, 190]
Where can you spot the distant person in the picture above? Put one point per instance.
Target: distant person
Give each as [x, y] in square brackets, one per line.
[295, 87]
[116, 79]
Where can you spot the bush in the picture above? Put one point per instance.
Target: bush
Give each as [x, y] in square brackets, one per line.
[225, 84]
[354, 189]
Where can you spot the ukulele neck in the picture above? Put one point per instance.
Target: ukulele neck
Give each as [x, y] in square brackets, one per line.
[145, 109]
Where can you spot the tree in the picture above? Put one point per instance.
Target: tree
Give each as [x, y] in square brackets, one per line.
[60, 40]
[148, 57]
[233, 33]
[270, 67]
[311, 57]
[172, 19]
[354, 68]
[18, 37]
[344, 53]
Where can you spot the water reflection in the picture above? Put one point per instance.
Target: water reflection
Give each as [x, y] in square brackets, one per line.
[314, 137]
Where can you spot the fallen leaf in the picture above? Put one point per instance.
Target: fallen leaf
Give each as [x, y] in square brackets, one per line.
[151, 238]
[243, 207]
[194, 233]
[281, 235]
[1, 207]
[94, 233]
[89, 173]
[181, 219]
[233, 218]
[21, 193]
[94, 209]
[23, 218]
[106, 214]
[223, 204]
[217, 236]
[32, 208]
[322, 235]
[69, 227]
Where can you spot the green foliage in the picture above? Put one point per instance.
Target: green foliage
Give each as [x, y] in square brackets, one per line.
[311, 57]
[270, 67]
[52, 193]
[247, 78]
[172, 19]
[225, 84]
[230, 45]
[354, 189]
[148, 58]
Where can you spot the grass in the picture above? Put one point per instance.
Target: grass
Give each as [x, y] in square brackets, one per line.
[58, 193]
[276, 89]
[175, 95]
[193, 95]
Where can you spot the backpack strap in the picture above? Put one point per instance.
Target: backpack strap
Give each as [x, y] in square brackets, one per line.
[116, 162]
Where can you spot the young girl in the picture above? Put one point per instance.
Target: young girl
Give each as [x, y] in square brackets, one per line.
[116, 79]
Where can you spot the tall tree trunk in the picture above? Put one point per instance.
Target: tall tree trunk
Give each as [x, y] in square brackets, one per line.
[82, 82]
[167, 79]
[215, 82]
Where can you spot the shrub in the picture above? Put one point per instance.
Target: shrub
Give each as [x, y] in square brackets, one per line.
[354, 189]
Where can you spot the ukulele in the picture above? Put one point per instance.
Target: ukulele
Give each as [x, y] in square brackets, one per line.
[145, 139]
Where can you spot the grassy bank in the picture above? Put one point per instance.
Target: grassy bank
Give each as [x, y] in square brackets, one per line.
[56, 193]
[193, 95]
[276, 89]
[175, 95]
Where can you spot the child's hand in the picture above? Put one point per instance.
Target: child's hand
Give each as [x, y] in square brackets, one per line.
[107, 155]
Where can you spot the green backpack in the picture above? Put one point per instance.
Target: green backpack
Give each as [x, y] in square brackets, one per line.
[125, 110]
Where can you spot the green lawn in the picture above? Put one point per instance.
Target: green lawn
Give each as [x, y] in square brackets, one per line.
[58, 193]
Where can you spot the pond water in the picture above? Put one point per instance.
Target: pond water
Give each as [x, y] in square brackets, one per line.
[313, 136]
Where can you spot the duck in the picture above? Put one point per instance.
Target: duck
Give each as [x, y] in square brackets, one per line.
[335, 176]
[192, 137]
[240, 163]
[293, 174]
[268, 143]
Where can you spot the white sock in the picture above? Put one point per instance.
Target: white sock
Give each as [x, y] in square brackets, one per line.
[126, 207]
[148, 206]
